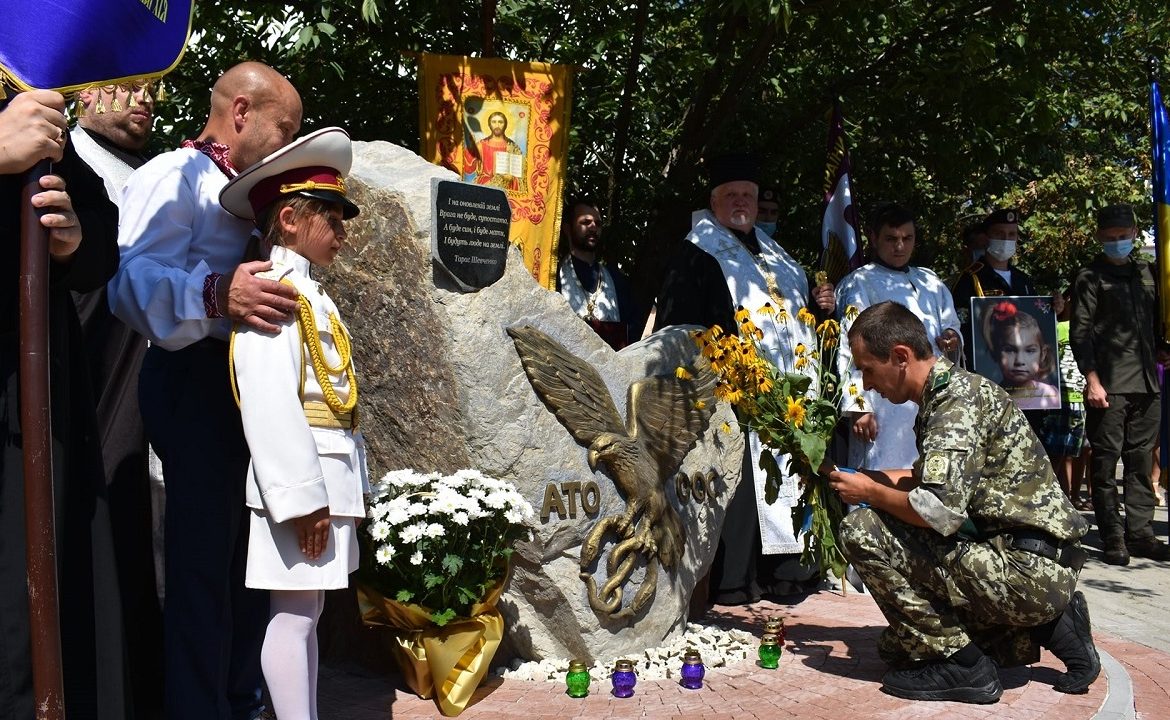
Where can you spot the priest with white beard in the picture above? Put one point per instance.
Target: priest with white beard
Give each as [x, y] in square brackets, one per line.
[726, 262]
[882, 433]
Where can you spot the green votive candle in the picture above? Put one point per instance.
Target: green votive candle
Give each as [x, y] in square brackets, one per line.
[770, 652]
[577, 679]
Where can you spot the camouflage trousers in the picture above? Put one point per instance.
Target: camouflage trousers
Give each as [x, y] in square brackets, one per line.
[941, 593]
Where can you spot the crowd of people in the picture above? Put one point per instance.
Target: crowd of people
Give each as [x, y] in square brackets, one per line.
[969, 529]
[198, 260]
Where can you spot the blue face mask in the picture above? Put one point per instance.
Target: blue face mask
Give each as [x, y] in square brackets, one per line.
[1118, 248]
[769, 228]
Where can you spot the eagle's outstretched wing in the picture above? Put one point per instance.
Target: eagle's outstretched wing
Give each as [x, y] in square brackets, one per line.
[668, 414]
[568, 385]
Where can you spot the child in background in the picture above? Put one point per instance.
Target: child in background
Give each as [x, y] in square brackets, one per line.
[1064, 430]
[298, 392]
[1025, 360]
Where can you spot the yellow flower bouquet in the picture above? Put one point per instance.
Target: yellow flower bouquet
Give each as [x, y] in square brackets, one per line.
[794, 413]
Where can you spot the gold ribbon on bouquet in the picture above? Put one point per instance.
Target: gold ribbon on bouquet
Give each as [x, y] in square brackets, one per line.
[446, 663]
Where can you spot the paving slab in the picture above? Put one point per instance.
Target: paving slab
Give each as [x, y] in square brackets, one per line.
[831, 669]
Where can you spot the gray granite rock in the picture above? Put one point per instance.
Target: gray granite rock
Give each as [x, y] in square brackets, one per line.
[442, 388]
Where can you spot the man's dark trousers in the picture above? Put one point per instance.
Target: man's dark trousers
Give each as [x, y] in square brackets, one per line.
[214, 627]
[1125, 430]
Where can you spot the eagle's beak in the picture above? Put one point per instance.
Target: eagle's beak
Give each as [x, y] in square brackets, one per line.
[594, 457]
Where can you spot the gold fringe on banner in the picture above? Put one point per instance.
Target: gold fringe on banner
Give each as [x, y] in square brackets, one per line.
[445, 663]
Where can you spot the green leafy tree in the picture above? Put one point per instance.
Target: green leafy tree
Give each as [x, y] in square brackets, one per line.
[951, 107]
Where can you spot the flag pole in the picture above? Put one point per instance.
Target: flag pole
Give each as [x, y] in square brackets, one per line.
[40, 534]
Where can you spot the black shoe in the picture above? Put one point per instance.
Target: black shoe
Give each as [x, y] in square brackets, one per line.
[946, 680]
[1149, 547]
[738, 596]
[1115, 552]
[1072, 644]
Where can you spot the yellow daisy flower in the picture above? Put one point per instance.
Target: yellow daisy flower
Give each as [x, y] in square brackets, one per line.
[682, 373]
[767, 309]
[795, 412]
[742, 315]
[850, 312]
[801, 363]
[806, 317]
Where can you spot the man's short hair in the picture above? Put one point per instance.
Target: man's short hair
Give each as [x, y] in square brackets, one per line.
[574, 201]
[891, 214]
[887, 324]
[972, 231]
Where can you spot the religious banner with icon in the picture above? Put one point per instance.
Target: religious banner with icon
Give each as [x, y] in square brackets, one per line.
[505, 125]
[70, 46]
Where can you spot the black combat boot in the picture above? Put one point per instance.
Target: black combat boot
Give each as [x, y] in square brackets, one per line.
[1070, 639]
[1115, 551]
[1149, 547]
[1109, 526]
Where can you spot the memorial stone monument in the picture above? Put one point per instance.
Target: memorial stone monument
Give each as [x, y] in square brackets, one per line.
[444, 386]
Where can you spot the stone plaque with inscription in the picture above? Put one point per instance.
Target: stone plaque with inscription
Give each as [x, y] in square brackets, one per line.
[469, 232]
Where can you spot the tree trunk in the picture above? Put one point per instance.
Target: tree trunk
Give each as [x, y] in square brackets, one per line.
[621, 141]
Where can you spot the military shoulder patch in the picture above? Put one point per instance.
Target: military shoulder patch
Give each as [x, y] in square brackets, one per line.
[936, 467]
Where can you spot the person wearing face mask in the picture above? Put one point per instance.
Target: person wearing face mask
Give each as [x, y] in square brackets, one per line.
[768, 211]
[994, 274]
[974, 248]
[1112, 337]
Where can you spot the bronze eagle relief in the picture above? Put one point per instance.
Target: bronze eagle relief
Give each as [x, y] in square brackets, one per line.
[665, 417]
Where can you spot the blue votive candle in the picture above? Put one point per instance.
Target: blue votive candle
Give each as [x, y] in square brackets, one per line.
[624, 679]
[692, 670]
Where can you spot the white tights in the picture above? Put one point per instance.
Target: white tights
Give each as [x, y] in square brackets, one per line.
[289, 656]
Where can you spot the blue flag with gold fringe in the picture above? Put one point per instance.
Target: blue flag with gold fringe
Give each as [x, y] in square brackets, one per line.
[69, 45]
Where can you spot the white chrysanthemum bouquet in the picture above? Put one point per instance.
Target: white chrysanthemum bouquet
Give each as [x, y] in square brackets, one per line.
[441, 541]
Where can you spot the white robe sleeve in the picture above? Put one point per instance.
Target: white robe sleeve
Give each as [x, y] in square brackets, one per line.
[284, 453]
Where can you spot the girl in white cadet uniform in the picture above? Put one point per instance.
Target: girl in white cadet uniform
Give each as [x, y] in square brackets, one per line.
[298, 398]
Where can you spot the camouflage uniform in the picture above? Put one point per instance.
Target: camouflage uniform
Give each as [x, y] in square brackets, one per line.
[983, 474]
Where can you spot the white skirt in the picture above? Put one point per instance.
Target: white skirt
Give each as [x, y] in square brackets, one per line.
[275, 560]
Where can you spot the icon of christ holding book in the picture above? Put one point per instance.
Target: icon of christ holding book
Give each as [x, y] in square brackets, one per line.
[496, 160]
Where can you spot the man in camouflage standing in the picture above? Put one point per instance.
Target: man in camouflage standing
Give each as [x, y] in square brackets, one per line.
[973, 554]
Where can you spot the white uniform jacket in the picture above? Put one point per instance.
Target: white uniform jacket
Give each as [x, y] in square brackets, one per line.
[275, 377]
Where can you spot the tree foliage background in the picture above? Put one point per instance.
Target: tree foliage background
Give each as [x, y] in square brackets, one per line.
[952, 107]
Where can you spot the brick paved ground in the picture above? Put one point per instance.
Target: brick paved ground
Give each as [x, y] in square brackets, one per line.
[831, 670]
